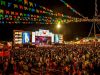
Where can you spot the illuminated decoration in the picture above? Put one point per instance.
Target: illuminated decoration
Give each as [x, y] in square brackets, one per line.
[26, 37]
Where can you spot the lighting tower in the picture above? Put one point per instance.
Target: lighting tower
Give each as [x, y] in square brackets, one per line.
[94, 24]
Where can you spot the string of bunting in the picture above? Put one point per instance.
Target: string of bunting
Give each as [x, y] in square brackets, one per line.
[7, 14]
[20, 15]
[2, 12]
[31, 7]
[73, 10]
[41, 19]
[25, 17]
[17, 17]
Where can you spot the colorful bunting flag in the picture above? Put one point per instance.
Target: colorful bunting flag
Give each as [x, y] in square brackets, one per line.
[9, 4]
[3, 3]
[12, 13]
[16, 13]
[19, 0]
[25, 8]
[7, 12]
[21, 14]
[20, 7]
[15, 5]
[30, 4]
[1, 15]
[26, 2]
[1, 11]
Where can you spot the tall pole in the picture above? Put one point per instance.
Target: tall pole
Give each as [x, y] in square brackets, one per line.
[93, 27]
[95, 16]
[96, 10]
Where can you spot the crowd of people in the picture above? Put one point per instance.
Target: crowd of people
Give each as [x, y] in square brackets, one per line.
[56, 60]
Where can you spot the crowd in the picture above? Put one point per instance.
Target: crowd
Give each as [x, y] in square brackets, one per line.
[55, 60]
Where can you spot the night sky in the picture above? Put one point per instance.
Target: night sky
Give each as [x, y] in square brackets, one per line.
[69, 30]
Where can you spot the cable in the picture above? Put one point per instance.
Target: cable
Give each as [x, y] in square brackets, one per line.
[98, 27]
[91, 29]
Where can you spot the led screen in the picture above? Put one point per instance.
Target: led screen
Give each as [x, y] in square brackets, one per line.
[18, 37]
[33, 37]
[56, 38]
[52, 37]
[25, 37]
[44, 40]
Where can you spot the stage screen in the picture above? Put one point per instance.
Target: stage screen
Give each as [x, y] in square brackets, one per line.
[33, 37]
[17, 37]
[43, 40]
[60, 38]
[56, 38]
[26, 37]
[52, 37]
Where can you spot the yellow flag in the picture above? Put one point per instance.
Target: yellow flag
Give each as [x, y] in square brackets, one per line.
[21, 14]
[12, 12]
[26, 2]
[30, 4]
[15, 5]
[25, 8]
[1, 11]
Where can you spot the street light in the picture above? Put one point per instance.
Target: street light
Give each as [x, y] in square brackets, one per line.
[58, 25]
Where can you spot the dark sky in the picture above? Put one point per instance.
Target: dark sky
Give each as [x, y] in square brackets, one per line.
[69, 30]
